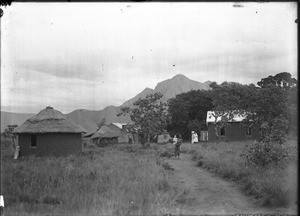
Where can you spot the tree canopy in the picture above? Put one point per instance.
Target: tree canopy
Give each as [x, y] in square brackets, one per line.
[283, 80]
[188, 112]
[271, 106]
[8, 132]
[149, 116]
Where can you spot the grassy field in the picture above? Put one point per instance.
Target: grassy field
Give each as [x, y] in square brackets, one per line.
[272, 185]
[130, 180]
[118, 180]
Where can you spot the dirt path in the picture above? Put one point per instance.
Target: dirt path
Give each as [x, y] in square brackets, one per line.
[206, 193]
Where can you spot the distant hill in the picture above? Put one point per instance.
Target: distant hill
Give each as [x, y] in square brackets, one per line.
[171, 87]
[9, 118]
[89, 119]
[177, 85]
[143, 94]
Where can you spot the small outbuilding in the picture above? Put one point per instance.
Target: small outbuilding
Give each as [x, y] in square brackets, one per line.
[104, 136]
[235, 131]
[49, 133]
[119, 128]
[164, 137]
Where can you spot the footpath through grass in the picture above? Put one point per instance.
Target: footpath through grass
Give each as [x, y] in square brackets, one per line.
[274, 185]
[117, 180]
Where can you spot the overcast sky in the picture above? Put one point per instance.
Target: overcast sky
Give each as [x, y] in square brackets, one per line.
[91, 55]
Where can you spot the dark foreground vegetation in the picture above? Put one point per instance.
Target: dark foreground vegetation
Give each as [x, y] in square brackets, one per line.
[134, 180]
[274, 185]
[123, 180]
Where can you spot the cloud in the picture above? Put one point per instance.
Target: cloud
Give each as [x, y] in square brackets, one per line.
[94, 55]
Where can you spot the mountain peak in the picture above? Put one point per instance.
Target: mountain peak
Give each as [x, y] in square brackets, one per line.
[179, 76]
[147, 90]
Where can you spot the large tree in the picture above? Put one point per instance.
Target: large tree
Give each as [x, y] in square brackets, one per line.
[278, 100]
[188, 112]
[226, 99]
[283, 80]
[149, 116]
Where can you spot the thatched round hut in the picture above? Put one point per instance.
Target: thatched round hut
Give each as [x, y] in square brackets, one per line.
[105, 136]
[49, 133]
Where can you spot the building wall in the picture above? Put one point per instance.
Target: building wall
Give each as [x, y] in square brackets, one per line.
[102, 142]
[234, 132]
[56, 144]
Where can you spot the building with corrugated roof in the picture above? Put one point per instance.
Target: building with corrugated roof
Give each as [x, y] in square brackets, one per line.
[234, 131]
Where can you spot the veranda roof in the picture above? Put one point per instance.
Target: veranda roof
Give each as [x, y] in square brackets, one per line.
[119, 125]
[49, 120]
[210, 117]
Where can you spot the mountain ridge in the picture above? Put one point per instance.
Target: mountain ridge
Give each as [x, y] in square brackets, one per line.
[90, 118]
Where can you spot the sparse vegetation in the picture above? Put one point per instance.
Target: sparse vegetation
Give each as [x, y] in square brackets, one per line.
[273, 184]
[121, 180]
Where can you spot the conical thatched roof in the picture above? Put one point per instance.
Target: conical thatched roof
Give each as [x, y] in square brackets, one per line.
[49, 120]
[104, 132]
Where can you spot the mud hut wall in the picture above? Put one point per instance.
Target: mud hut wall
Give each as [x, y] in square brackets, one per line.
[55, 144]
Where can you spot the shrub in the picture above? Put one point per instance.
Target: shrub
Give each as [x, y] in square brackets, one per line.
[167, 166]
[265, 153]
[276, 130]
[166, 151]
[51, 200]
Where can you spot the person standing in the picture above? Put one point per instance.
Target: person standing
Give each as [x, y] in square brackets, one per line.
[193, 137]
[196, 138]
[177, 146]
[175, 140]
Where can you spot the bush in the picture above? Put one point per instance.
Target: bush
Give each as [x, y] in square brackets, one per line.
[265, 153]
[167, 166]
[271, 148]
[166, 151]
[277, 131]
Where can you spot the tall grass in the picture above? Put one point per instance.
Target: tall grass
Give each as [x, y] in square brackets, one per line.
[274, 185]
[120, 181]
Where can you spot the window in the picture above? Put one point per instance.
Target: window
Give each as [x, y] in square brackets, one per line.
[248, 131]
[222, 131]
[33, 141]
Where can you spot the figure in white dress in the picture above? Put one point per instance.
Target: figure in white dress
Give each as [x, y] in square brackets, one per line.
[175, 139]
[194, 137]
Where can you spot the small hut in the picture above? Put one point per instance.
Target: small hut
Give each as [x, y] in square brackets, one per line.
[49, 133]
[164, 137]
[104, 136]
[119, 128]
